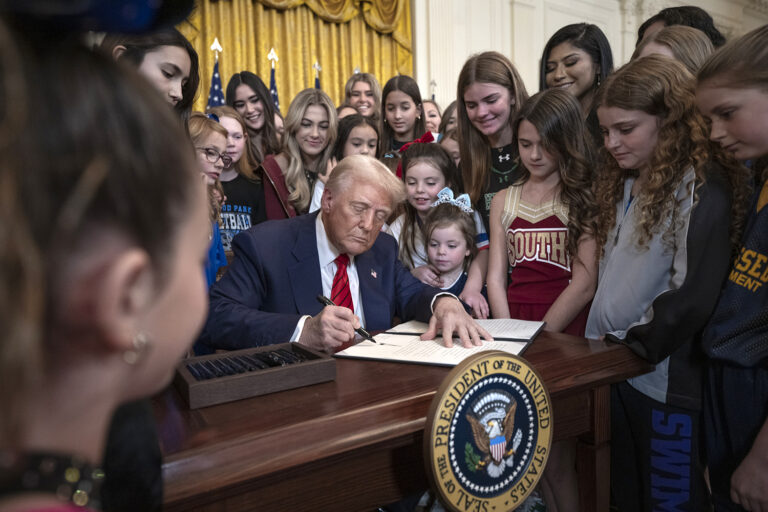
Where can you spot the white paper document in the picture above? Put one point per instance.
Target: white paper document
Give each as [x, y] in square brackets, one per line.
[402, 343]
[502, 329]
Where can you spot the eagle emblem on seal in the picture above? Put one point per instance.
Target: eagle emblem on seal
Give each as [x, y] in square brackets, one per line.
[492, 419]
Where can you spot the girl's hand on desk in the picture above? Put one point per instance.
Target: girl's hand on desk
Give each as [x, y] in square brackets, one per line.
[477, 302]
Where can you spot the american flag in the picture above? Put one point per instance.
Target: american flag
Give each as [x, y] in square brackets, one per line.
[273, 89]
[216, 94]
[498, 445]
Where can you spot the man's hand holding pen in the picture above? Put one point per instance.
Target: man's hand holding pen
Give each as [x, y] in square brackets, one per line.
[330, 329]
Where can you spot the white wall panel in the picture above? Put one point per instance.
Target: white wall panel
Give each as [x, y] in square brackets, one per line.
[447, 32]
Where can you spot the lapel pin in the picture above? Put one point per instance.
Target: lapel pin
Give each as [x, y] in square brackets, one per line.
[373, 274]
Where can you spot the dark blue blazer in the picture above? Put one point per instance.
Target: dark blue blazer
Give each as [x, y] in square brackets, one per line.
[275, 279]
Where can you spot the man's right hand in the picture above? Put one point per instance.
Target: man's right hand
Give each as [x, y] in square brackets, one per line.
[330, 329]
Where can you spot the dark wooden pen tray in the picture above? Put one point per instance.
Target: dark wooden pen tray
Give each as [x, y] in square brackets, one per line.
[317, 368]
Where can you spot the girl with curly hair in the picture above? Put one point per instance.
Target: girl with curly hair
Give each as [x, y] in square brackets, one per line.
[670, 206]
[542, 243]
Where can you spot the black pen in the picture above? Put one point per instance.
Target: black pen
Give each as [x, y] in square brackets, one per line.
[322, 299]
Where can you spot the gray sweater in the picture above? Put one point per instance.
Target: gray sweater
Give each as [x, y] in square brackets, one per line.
[657, 299]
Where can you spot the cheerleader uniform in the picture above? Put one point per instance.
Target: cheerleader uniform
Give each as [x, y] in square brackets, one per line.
[540, 268]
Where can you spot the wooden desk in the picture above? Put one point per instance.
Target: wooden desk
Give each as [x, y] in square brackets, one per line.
[356, 443]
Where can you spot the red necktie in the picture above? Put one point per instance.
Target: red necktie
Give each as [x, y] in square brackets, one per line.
[340, 293]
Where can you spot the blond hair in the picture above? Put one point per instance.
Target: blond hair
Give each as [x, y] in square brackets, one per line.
[742, 62]
[689, 45]
[201, 127]
[375, 89]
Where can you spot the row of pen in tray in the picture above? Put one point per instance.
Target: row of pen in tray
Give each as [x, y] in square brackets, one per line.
[226, 366]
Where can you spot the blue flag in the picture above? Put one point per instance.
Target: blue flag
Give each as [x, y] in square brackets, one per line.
[317, 82]
[273, 89]
[216, 94]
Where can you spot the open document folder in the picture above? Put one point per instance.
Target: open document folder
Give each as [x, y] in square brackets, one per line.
[402, 343]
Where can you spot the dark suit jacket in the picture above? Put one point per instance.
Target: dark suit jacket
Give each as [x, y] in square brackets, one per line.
[275, 279]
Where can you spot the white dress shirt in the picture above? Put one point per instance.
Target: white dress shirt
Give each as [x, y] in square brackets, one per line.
[326, 255]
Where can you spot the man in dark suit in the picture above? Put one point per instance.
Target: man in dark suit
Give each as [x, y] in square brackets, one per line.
[268, 294]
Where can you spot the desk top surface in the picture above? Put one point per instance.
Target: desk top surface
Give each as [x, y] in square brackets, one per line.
[369, 402]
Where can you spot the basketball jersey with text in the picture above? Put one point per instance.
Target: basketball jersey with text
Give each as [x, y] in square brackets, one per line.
[540, 268]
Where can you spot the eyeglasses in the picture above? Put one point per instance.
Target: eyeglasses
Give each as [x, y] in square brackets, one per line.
[213, 156]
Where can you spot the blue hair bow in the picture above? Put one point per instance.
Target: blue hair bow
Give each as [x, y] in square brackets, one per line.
[446, 196]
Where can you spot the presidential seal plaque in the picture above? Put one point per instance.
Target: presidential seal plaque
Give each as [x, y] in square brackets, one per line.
[488, 433]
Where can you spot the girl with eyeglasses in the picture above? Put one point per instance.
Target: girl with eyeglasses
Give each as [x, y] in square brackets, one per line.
[242, 186]
[209, 139]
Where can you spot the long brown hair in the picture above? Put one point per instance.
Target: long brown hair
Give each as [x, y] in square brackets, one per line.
[408, 86]
[662, 87]
[556, 115]
[474, 147]
[138, 45]
[269, 139]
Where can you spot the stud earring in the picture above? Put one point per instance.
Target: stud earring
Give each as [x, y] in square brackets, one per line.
[140, 342]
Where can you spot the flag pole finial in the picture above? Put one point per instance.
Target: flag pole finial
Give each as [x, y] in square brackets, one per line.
[356, 71]
[317, 68]
[216, 47]
[272, 57]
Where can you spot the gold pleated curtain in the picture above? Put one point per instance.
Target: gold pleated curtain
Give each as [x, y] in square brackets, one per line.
[372, 35]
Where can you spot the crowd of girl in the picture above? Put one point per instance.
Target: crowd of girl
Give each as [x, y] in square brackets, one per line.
[626, 205]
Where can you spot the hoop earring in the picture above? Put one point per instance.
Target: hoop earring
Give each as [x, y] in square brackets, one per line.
[140, 343]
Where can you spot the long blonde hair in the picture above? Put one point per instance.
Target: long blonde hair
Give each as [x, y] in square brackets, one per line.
[300, 194]
[474, 147]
